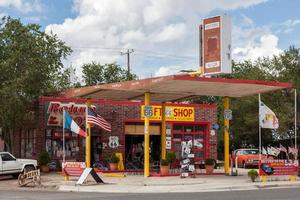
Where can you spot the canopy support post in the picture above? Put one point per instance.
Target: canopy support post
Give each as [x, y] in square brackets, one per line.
[163, 132]
[146, 139]
[226, 138]
[88, 137]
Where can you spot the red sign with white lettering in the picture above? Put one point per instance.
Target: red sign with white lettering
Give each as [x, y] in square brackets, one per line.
[278, 167]
[55, 111]
[73, 168]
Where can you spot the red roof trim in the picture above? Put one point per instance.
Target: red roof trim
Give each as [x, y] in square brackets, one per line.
[224, 80]
[98, 101]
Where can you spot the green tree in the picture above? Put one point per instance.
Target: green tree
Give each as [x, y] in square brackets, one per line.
[31, 66]
[244, 125]
[95, 73]
[284, 67]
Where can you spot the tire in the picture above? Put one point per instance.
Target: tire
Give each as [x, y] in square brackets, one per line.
[15, 176]
[28, 168]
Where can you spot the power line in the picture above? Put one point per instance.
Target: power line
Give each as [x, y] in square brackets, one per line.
[148, 53]
[169, 57]
[128, 52]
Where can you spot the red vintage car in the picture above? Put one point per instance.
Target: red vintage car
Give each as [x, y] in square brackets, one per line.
[247, 157]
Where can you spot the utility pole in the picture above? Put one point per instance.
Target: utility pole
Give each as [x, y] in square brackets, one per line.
[128, 52]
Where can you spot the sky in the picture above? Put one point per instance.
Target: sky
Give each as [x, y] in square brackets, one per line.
[162, 33]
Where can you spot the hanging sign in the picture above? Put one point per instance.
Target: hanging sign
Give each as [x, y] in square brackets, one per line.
[168, 142]
[113, 142]
[228, 114]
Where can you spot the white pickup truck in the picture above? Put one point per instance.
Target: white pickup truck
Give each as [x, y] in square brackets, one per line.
[11, 165]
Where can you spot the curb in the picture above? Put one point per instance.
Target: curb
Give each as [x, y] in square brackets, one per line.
[169, 189]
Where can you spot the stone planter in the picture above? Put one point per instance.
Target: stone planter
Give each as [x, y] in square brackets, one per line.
[209, 169]
[164, 170]
[253, 178]
[113, 166]
[44, 168]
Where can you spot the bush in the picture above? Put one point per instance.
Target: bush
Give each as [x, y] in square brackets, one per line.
[171, 156]
[253, 174]
[164, 162]
[209, 161]
[44, 158]
[113, 158]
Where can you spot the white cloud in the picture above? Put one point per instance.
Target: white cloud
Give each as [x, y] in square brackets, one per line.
[245, 31]
[23, 5]
[266, 47]
[289, 25]
[291, 22]
[171, 33]
[251, 41]
[169, 70]
[169, 26]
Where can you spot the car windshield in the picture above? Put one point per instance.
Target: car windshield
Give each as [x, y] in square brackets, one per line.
[251, 152]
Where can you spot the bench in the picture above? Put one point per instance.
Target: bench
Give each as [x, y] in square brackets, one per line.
[29, 177]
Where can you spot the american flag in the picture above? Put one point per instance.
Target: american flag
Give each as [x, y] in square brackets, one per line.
[293, 151]
[94, 118]
[282, 148]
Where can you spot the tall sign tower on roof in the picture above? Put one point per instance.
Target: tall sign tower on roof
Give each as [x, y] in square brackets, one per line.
[215, 45]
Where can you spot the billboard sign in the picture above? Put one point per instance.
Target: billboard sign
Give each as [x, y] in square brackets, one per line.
[216, 45]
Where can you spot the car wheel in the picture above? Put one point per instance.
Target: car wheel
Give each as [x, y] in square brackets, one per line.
[29, 168]
[15, 176]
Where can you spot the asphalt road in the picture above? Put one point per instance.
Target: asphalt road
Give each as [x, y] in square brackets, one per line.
[266, 194]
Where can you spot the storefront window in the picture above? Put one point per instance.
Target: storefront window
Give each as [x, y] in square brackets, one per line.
[54, 144]
[188, 128]
[189, 132]
[199, 128]
[28, 141]
[177, 128]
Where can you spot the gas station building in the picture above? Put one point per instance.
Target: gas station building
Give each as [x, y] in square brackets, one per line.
[140, 139]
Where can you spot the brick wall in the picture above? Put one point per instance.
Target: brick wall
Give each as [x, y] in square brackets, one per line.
[116, 113]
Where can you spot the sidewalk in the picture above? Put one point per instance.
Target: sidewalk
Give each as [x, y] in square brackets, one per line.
[139, 184]
[175, 184]
[203, 183]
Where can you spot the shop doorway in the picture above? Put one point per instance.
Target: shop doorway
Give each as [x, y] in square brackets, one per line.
[134, 150]
[134, 145]
[96, 149]
[96, 146]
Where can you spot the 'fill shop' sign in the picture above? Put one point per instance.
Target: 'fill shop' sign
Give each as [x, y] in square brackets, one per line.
[55, 113]
[172, 113]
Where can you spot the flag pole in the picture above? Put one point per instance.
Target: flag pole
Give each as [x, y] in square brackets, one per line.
[64, 152]
[88, 137]
[259, 130]
[295, 118]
